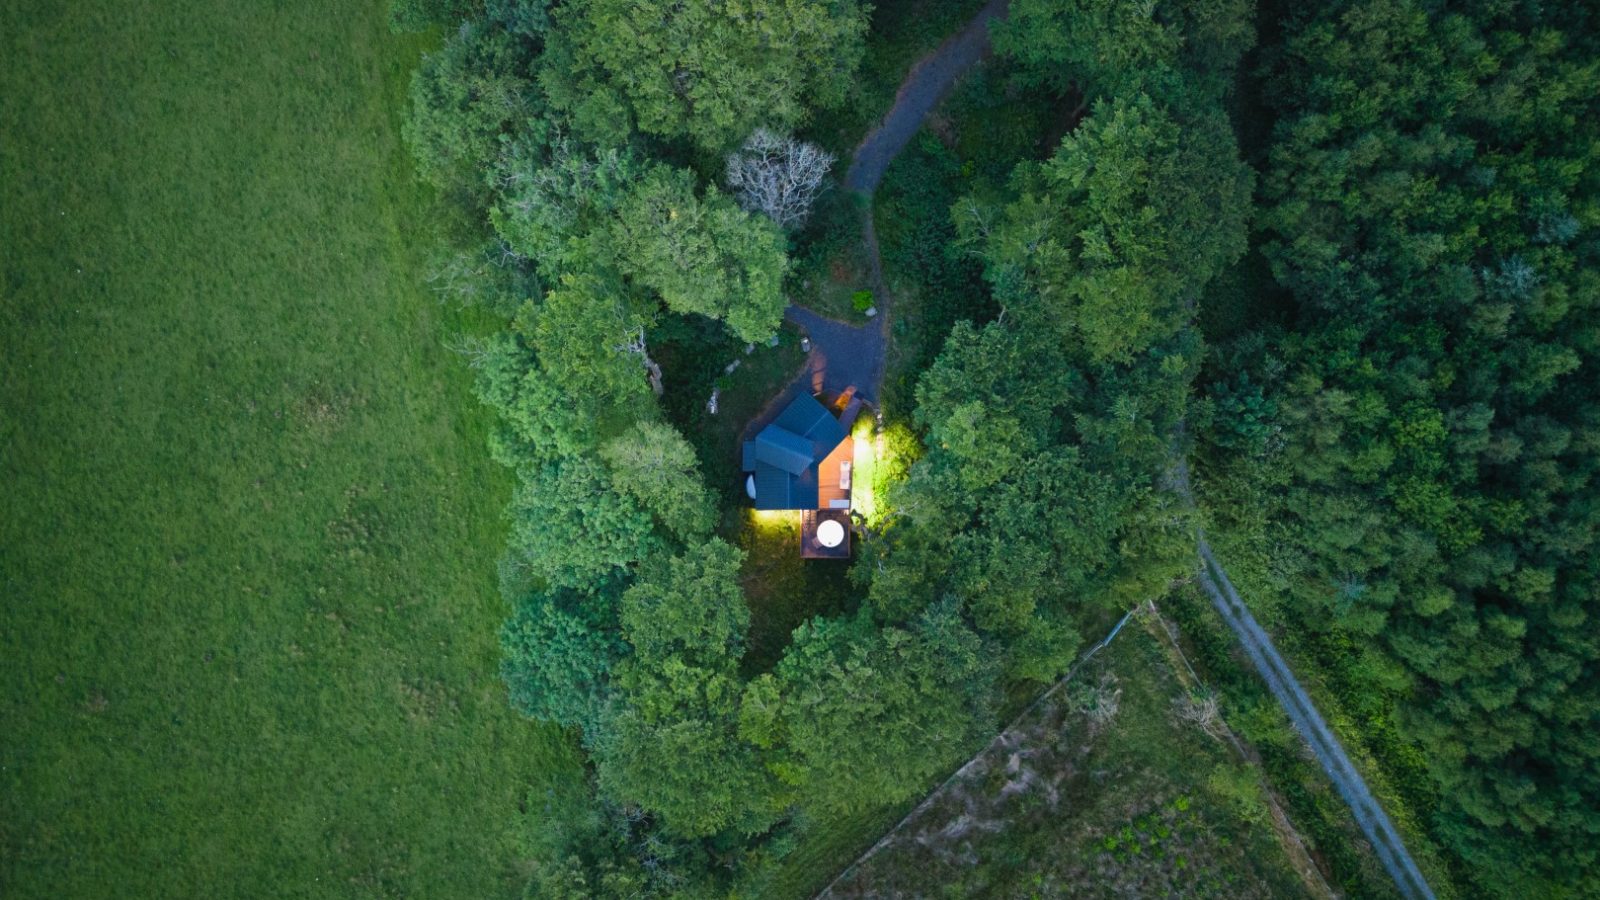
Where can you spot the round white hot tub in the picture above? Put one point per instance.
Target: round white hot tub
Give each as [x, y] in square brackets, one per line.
[830, 533]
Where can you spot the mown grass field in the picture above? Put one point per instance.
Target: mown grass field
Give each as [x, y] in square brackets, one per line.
[247, 524]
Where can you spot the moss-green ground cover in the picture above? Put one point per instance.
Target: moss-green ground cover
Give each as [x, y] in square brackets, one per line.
[247, 523]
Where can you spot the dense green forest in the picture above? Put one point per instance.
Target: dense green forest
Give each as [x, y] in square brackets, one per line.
[1406, 441]
[1377, 342]
[1315, 282]
[1391, 406]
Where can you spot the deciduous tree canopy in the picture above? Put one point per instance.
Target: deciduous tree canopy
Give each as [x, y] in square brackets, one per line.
[864, 716]
[1117, 231]
[708, 72]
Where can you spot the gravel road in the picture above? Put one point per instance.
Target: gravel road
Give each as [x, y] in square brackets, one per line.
[925, 85]
[1374, 822]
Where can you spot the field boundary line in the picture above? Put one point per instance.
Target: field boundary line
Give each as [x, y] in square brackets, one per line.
[966, 767]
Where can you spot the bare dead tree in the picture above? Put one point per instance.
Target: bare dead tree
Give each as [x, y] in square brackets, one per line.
[778, 175]
[635, 344]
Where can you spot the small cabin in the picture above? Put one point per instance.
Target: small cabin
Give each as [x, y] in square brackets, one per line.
[801, 461]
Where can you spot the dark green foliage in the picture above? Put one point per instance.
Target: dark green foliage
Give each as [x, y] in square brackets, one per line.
[581, 335]
[1119, 229]
[901, 32]
[1047, 430]
[557, 203]
[556, 657]
[654, 464]
[1029, 531]
[699, 70]
[694, 353]
[1431, 194]
[690, 607]
[918, 240]
[1170, 48]
[538, 423]
[464, 98]
[570, 528]
[584, 849]
[1415, 451]
[860, 716]
[577, 213]
[703, 255]
[830, 260]
[671, 743]
[1243, 419]
[672, 747]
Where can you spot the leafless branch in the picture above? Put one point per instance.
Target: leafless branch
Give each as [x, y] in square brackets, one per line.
[778, 175]
[636, 344]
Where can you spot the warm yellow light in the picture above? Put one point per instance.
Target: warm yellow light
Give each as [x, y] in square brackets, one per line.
[864, 470]
[773, 517]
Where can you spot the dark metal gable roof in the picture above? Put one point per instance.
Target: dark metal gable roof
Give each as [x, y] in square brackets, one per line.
[777, 489]
[778, 446]
[812, 421]
[785, 455]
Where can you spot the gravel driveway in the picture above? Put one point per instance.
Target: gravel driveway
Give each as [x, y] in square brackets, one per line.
[925, 85]
[842, 354]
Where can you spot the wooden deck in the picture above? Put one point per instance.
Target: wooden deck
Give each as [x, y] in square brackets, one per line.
[809, 547]
[832, 493]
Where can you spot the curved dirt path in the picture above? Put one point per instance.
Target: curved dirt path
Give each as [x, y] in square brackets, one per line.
[925, 85]
[844, 354]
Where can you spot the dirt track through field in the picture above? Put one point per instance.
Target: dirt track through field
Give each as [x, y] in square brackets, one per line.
[1330, 754]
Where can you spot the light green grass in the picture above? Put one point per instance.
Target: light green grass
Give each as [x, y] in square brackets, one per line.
[247, 523]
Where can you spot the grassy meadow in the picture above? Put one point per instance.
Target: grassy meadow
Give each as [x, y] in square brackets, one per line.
[1103, 791]
[247, 523]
